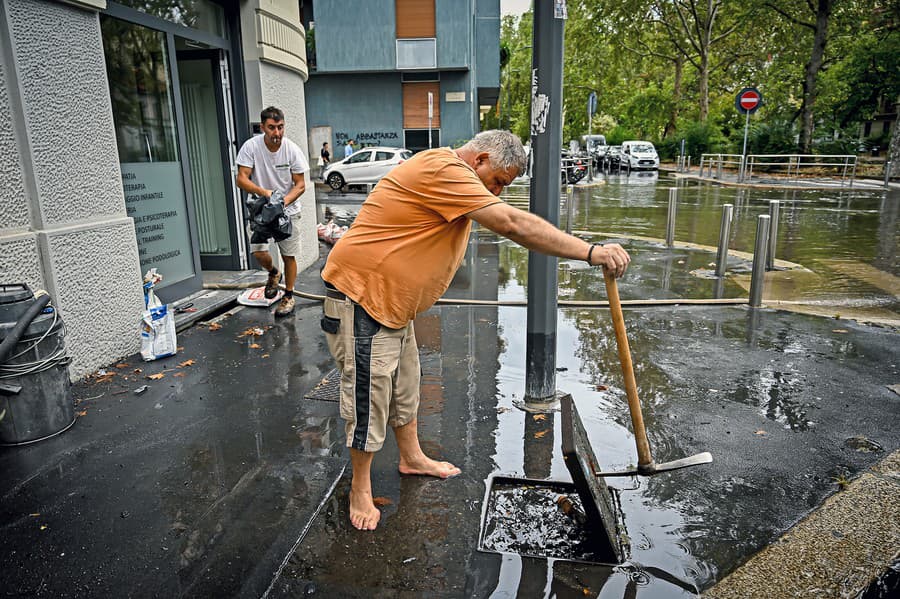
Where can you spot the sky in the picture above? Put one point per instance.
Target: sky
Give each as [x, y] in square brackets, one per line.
[514, 7]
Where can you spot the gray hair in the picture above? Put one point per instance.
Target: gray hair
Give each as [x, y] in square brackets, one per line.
[504, 149]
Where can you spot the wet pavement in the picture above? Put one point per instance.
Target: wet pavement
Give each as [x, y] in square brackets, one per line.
[222, 480]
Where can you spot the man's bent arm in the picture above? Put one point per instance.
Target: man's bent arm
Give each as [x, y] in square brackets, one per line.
[243, 181]
[297, 190]
[535, 233]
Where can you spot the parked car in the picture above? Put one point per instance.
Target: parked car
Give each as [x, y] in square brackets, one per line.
[639, 154]
[367, 165]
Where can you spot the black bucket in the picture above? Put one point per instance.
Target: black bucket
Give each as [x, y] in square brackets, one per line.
[35, 391]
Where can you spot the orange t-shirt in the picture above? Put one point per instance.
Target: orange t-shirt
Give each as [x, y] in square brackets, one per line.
[409, 238]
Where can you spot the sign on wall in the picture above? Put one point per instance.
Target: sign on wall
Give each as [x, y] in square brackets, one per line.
[154, 198]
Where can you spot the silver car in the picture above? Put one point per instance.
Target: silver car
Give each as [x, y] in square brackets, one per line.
[367, 165]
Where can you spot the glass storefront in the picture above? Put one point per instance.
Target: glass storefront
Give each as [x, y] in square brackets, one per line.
[169, 82]
[140, 83]
[203, 15]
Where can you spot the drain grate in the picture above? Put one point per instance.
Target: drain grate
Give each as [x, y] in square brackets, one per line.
[328, 389]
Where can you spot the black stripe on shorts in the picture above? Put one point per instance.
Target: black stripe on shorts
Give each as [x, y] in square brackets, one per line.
[363, 354]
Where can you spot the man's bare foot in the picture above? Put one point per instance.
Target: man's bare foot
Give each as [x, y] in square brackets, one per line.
[425, 466]
[363, 513]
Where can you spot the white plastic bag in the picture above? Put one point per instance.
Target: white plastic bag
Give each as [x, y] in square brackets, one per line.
[157, 323]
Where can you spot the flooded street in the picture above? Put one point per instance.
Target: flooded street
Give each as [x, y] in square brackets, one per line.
[788, 404]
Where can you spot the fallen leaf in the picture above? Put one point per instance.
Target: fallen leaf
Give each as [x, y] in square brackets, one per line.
[252, 332]
[35, 515]
[186, 363]
[585, 591]
[122, 365]
[105, 378]
[601, 387]
[179, 374]
[137, 371]
[264, 356]
[382, 501]
[215, 326]
[760, 432]
[81, 413]
[255, 346]
[43, 527]
[179, 349]
[156, 376]
[539, 434]
[539, 417]
[840, 331]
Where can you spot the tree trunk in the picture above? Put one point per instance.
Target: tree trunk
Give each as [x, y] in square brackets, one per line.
[894, 148]
[672, 125]
[810, 92]
[704, 85]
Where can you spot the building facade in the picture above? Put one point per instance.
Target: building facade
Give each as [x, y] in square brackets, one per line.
[375, 64]
[119, 126]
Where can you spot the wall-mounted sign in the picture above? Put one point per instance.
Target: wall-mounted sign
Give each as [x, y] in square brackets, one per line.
[154, 198]
[455, 96]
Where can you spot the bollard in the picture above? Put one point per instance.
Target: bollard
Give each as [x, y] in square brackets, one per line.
[570, 207]
[670, 218]
[887, 174]
[773, 233]
[719, 168]
[688, 168]
[724, 235]
[757, 278]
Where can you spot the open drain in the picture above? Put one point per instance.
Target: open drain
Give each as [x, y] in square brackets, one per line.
[328, 389]
[577, 521]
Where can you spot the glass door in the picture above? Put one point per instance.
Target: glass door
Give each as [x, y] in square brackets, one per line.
[144, 111]
[202, 98]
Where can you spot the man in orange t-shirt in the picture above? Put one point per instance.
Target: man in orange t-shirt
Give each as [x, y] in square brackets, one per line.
[395, 261]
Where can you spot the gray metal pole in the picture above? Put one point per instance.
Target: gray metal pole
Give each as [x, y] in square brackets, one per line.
[746, 129]
[570, 207]
[773, 233]
[724, 236]
[546, 141]
[757, 278]
[670, 217]
[887, 174]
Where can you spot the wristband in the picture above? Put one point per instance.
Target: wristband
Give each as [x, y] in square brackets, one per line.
[591, 251]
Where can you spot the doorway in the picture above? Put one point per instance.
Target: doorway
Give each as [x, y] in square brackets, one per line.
[203, 83]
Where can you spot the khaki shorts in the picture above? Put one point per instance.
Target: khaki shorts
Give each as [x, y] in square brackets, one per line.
[287, 247]
[379, 372]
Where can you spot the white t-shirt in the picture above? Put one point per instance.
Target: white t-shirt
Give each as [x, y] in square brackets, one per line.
[272, 170]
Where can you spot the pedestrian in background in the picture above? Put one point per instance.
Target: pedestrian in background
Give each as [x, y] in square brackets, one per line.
[419, 214]
[324, 159]
[348, 149]
[266, 163]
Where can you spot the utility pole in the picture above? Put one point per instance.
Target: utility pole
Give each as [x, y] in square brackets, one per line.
[546, 128]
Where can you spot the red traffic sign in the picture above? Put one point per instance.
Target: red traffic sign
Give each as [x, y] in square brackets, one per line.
[748, 100]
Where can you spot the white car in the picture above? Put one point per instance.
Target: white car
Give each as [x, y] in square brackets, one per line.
[639, 154]
[367, 165]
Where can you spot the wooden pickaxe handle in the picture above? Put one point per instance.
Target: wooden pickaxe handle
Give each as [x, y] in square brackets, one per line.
[634, 404]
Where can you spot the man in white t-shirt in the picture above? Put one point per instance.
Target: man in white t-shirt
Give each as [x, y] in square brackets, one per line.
[267, 163]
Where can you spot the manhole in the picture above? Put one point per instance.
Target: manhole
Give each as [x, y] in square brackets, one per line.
[328, 389]
[577, 521]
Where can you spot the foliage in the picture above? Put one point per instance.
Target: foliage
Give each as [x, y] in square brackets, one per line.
[664, 70]
[771, 137]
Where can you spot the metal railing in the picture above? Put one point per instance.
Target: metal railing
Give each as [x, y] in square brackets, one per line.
[793, 164]
[716, 163]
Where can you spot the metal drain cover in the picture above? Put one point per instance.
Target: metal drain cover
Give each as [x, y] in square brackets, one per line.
[328, 389]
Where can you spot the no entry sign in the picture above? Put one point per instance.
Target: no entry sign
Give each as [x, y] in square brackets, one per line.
[748, 100]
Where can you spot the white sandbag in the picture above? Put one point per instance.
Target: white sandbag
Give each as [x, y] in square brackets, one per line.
[256, 297]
